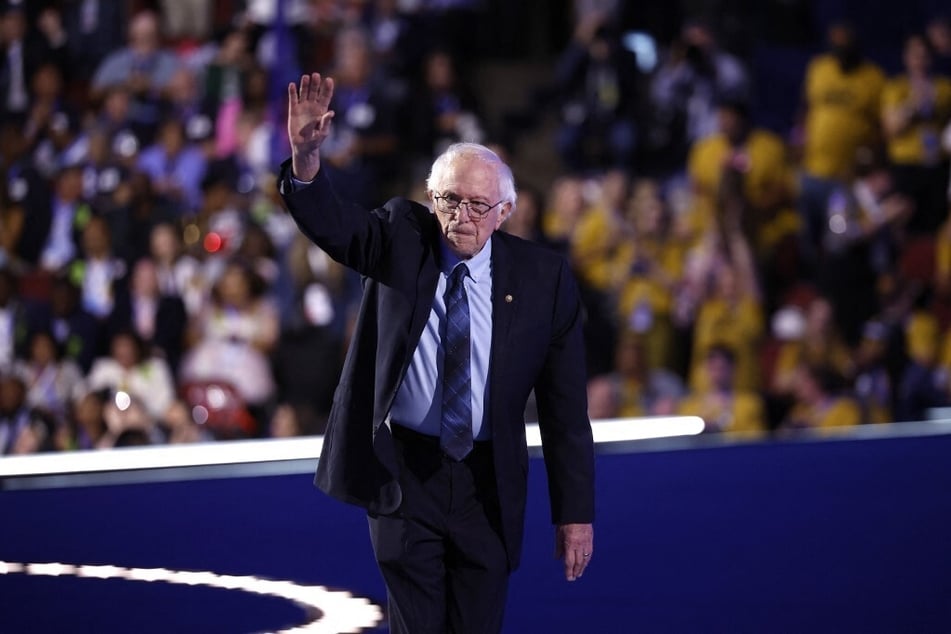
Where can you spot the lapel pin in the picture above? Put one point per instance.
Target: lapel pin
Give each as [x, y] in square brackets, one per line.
[508, 299]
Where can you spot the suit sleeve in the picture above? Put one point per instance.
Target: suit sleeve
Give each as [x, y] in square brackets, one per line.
[348, 233]
[562, 410]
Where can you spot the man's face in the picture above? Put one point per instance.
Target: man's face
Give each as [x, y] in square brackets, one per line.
[470, 179]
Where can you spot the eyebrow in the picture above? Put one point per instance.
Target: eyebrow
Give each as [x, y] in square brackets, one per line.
[475, 199]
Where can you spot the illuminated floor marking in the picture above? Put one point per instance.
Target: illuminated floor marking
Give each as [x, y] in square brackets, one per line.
[340, 611]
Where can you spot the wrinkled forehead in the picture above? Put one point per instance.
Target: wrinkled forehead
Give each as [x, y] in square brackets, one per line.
[469, 174]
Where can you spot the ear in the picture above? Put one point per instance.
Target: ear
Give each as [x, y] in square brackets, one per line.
[506, 211]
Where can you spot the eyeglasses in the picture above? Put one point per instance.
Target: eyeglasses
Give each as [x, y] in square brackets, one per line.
[450, 204]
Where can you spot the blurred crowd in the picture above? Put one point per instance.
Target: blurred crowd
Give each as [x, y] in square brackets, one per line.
[154, 290]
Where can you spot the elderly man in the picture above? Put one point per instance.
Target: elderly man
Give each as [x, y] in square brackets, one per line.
[458, 324]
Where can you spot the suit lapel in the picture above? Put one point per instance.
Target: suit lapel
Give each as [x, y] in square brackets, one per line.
[505, 297]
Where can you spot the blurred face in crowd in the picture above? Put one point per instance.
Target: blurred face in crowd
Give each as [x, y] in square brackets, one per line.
[88, 413]
[47, 82]
[353, 57]
[163, 243]
[116, 104]
[183, 86]
[144, 33]
[439, 72]
[125, 350]
[12, 394]
[602, 398]
[939, 34]
[629, 358]
[844, 45]
[172, 136]
[916, 56]
[646, 209]
[720, 370]
[42, 349]
[69, 184]
[145, 278]
[12, 26]
[96, 240]
[614, 189]
[474, 179]
[234, 287]
[819, 316]
[568, 197]
[732, 123]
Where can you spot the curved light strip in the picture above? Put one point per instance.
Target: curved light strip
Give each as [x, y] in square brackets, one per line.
[340, 611]
[306, 448]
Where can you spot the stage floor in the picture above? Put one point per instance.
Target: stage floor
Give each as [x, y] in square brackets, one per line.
[692, 535]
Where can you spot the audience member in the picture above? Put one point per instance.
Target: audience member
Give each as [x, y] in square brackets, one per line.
[14, 320]
[695, 72]
[643, 390]
[441, 111]
[722, 406]
[645, 301]
[916, 107]
[143, 67]
[131, 375]
[924, 381]
[176, 167]
[822, 403]
[97, 272]
[362, 147]
[76, 331]
[841, 93]
[23, 429]
[158, 319]
[938, 32]
[596, 85]
[747, 166]
[233, 336]
[50, 379]
[861, 239]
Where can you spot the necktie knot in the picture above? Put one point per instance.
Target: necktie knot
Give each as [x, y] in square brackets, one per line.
[457, 277]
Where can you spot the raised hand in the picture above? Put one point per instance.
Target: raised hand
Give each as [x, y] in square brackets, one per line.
[308, 122]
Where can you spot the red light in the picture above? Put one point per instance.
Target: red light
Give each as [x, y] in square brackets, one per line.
[213, 242]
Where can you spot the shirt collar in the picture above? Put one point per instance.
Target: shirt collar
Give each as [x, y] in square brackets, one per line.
[478, 264]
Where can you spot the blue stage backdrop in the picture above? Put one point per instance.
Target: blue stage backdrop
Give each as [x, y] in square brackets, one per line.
[838, 536]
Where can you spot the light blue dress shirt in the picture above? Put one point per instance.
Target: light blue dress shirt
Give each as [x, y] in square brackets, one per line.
[418, 403]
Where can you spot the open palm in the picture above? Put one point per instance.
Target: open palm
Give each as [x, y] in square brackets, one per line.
[308, 122]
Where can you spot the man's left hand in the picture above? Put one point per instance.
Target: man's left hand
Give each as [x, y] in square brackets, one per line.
[575, 544]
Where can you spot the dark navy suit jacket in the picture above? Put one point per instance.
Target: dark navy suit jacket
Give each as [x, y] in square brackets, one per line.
[536, 344]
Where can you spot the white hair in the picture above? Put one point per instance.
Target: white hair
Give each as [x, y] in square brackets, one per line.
[438, 172]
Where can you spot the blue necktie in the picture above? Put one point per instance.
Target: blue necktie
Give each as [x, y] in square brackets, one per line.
[455, 436]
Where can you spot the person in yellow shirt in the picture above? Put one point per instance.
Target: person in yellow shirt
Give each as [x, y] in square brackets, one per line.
[755, 162]
[601, 246]
[650, 275]
[821, 403]
[722, 406]
[842, 95]
[916, 106]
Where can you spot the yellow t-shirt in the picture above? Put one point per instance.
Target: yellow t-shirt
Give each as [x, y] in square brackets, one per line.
[738, 326]
[840, 412]
[742, 413]
[600, 251]
[769, 177]
[843, 115]
[920, 142]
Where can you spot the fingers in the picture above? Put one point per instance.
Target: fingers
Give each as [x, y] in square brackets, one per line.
[312, 89]
[575, 542]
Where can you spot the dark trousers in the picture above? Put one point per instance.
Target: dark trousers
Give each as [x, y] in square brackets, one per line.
[441, 554]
